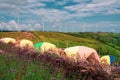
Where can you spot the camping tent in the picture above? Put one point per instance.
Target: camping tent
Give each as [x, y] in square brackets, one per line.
[107, 59]
[81, 53]
[24, 42]
[7, 40]
[44, 46]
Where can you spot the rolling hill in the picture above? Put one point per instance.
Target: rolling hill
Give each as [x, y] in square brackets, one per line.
[104, 43]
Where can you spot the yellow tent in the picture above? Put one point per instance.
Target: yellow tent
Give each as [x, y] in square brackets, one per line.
[105, 60]
[24, 43]
[8, 40]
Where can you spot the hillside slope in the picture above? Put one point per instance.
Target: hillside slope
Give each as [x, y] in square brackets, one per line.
[104, 43]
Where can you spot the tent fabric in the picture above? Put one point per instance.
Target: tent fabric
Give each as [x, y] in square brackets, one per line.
[81, 53]
[44, 46]
[72, 49]
[71, 52]
[112, 59]
[38, 45]
[107, 59]
[24, 43]
[7, 40]
[84, 52]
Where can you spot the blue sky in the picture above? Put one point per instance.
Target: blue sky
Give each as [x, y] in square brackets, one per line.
[61, 15]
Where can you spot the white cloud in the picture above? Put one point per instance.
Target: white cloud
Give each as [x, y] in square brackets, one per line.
[70, 26]
[51, 14]
[33, 5]
[38, 26]
[82, 9]
[94, 7]
[102, 4]
[80, 1]
[31, 11]
[113, 11]
[31, 1]
[4, 26]
[61, 2]
[48, 0]
[75, 7]
[7, 6]
[13, 25]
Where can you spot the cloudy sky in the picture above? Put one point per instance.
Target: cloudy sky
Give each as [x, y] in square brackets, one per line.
[60, 15]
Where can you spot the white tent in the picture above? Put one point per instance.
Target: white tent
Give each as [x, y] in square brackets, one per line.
[81, 53]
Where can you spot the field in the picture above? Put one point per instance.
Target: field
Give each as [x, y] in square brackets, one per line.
[25, 64]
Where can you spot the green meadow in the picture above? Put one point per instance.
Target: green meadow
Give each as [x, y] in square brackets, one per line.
[14, 67]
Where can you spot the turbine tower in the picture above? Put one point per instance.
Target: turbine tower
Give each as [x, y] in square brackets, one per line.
[72, 27]
[83, 27]
[43, 25]
[18, 22]
[59, 25]
[18, 18]
[96, 27]
[65, 26]
[1, 24]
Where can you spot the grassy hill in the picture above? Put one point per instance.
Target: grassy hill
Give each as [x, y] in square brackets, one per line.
[23, 64]
[111, 39]
[104, 43]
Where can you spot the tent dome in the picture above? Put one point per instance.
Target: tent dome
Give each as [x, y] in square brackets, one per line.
[107, 59]
[44, 46]
[81, 53]
[24, 42]
[8, 40]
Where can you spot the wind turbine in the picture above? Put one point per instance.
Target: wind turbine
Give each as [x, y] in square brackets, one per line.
[88, 29]
[18, 18]
[83, 27]
[59, 25]
[65, 26]
[18, 22]
[1, 23]
[96, 27]
[43, 25]
[72, 27]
